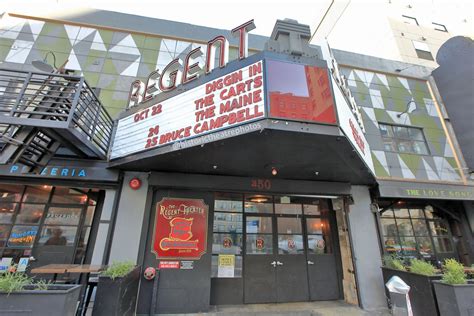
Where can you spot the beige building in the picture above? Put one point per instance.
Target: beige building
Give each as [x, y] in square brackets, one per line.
[409, 31]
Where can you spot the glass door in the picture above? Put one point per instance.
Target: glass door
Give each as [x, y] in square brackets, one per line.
[323, 278]
[259, 261]
[292, 285]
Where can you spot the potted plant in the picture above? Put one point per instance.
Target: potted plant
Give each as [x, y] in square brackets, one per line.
[117, 290]
[418, 275]
[455, 293]
[20, 294]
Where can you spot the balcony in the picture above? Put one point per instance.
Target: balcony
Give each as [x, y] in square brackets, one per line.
[41, 112]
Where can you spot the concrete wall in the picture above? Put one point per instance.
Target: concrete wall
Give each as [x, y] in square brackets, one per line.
[128, 225]
[366, 251]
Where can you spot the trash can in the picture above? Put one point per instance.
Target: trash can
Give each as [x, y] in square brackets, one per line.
[399, 297]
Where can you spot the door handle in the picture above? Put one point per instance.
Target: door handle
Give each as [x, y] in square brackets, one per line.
[279, 263]
[274, 264]
[310, 263]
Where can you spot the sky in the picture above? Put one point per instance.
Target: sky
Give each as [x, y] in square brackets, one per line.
[227, 14]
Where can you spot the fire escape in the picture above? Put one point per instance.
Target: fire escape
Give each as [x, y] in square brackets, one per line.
[41, 112]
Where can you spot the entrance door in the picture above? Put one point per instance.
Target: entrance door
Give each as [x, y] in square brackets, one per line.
[260, 261]
[323, 278]
[289, 251]
[275, 259]
[292, 284]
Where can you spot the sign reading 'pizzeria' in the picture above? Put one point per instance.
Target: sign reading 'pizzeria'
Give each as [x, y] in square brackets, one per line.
[230, 100]
[180, 229]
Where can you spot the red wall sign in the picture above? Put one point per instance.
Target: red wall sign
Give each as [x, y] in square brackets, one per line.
[180, 229]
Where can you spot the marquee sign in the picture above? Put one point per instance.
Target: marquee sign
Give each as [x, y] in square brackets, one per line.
[180, 229]
[183, 71]
[348, 112]
[230, 100]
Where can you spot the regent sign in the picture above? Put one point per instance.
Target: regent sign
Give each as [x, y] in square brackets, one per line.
[183, 71]
[180, 229]
[228, 101]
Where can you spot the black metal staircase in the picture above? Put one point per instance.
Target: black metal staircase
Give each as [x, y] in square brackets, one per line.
[40, 112]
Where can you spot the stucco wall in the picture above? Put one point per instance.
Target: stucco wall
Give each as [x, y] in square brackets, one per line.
[366, 251]
[128, 225]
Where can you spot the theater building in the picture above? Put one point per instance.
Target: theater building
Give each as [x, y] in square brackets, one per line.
[246, 169]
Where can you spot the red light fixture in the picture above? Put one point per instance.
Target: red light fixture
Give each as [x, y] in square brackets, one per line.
[135, 184]
[274, 171]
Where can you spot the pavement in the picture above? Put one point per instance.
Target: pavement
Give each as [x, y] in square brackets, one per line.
[324, 308]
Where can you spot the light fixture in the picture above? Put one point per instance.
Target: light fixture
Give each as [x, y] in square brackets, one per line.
[401, 69]
[43, 65]
[407, 110]
[316, 173]
[258, 199]
[274, 171]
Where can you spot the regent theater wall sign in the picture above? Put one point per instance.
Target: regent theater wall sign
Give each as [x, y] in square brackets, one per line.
[180, 229]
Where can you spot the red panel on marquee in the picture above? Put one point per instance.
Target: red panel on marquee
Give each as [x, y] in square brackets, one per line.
[180, 229]
[300, 92]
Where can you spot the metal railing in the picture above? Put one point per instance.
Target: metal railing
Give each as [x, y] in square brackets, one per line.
[52, 101]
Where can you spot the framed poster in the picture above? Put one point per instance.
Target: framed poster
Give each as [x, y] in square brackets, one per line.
[180, 230]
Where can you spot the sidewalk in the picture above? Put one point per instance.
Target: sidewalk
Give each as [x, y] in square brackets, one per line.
[324, 308]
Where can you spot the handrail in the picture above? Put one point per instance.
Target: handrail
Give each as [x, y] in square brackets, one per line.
[53, 97]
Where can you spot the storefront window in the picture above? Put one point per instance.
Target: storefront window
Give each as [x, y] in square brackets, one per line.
[63, 216]
[30, 214]
[257, 203]
[319, 236]
[227, 242]
[58, 236]
[6, 212]
[11, 193]
[37, 194]
[4, 231]
[47, 216]
[414, 232]
[69, 195]
[311, 209]
[22, 236]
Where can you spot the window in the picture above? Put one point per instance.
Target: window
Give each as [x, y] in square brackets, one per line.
[43, 216]
[227, 234]
[403, 139]
[422, 50]
[414, 232]
[440, 27]
[410, 20]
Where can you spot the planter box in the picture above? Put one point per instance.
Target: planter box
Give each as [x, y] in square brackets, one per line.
[117, 297]
[57, 300]
[456, 300]
[422, 295]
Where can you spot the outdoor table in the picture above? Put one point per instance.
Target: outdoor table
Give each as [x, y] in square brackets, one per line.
[86, 269]
[54, 269]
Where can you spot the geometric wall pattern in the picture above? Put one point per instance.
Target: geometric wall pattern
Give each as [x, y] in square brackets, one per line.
[108, 60]
[381, 97]
[111, 60]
